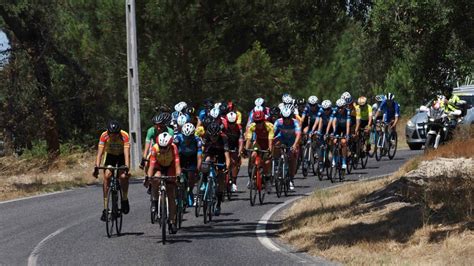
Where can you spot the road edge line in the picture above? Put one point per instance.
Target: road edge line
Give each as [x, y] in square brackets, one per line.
[267, 242]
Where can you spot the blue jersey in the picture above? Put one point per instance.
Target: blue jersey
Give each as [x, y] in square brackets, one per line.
[202, 114]
[188, 145]
[342, 118]
[308, 113]
[325, 118]
[286, 133]
[390, 111]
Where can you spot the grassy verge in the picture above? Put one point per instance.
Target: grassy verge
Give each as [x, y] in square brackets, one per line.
[390, 221]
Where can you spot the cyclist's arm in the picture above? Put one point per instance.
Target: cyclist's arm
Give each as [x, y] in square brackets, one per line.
[348, 127]
[100, 152]
[370, 116]
[358, 117]
[151, 167]
[241, 139]
[177, 164]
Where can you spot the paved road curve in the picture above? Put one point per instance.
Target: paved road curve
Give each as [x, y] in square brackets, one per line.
[64, 228]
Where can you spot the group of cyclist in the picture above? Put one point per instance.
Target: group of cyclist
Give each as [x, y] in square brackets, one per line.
[181, 140]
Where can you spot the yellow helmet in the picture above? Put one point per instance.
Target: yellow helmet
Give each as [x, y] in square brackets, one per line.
[362, 100]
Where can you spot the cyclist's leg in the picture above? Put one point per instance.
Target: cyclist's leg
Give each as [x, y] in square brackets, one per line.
[171, 193]
[234, 157]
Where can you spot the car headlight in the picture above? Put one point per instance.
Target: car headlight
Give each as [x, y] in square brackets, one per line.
[410, 123]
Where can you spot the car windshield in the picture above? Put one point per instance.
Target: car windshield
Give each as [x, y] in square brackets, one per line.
[468, 98]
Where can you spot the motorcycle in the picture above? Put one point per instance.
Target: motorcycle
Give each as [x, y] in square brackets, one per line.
[439, 129]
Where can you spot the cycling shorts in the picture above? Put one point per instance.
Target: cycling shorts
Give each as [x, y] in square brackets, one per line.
[114, 160]
[188, 162]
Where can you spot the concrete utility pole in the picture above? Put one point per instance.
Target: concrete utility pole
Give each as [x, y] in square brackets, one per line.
[133, 91]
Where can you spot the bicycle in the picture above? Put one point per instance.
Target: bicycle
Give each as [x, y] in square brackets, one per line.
[362, 154]
[114, 198]
[162, 211]
[321, 163]
[336, 168]
[229, 179]
[181, 198]
[256, 181]
[383, 146]
[207, 190]
[308, 158]
[280, 171]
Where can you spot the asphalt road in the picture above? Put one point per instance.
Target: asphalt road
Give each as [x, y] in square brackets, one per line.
[64, 228]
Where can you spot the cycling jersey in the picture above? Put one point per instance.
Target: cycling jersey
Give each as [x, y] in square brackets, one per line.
[216, 147]
[286, 133]
[165, 158]
[203, 114]
[341, 120]
[188, 145]
[234, 134]
[324, 118]
[152, 133]
[310, 114]
[262, 134]
[363, 113]
[239, 117]
[390, 111]
[114, 143]
[200, 131]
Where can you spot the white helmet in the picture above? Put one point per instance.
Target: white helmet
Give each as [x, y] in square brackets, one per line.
[313, 100]
[346, 95]
[215, 112]
[182, 119]
[281, 106]
[217, 105]
[188, 129]
[259, 102]
[231, 117]
[340, 102]
[286, 112]
[286, 98]
[179, 107]
[326, 104]
[258, 108]
[164, 139]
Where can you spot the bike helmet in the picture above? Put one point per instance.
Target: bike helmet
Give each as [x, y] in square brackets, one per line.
[281, 106]
[215, 112]
[190, 111]
[188, 129]
[182, 119]
[346, 95]
[286, 98]
[217, 105]
[326, 104]
[286, 112]
[213, 129]
[390, 96]
[379, 98]
[259, 102]
[113, 126]
[301, 102]
[258, 108]
[163, 118]
[340, 103]
[164, 139]
[179, 107]
[231, 117]
[313, 100]
[258, 116]
[275, 111]
[362, 101]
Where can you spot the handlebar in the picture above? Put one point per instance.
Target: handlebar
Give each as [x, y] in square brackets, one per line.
[257, 150]
[163, 177]
[112, 167]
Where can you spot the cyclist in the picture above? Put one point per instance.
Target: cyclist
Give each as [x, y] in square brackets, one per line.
[274, 114]
[390, 110]
[160, 124]
[288, 132]
[178, 110]
[191, 113]
[363, 118]
[115, 143]
[164, 160]
[379, 99]
[235, 136]
[263, 131]
[323, 122]
[341, 124]
[204, 112]
[232, 108]
[310, 114]
[190, 155]
[216, 147]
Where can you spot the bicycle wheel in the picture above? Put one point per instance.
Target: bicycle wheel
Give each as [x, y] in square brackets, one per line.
[261, 191]
[341, 173]
[392, 145]
[180, 207]
[228, 183]
[364, 158]
[349, 164]
[163, 215]
[199, 200]
[253, 186]
[153, 211]
[119, 216]
[332, 169]
[357, 153]
[110, 221]
[378, 147]
[278, 179]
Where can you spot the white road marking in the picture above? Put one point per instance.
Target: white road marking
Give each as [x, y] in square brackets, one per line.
[261, 229]
[35, 196]
[33, 258]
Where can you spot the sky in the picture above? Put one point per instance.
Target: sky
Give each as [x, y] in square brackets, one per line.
[3, 46]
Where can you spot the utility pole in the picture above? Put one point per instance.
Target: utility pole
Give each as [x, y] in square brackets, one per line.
[133, 90]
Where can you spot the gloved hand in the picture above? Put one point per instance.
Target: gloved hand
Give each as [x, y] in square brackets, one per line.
[96, 172]
[142, 163]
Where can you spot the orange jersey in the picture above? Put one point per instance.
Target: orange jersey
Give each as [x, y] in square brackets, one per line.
[114, 144]
[164, 157]
[265, 132]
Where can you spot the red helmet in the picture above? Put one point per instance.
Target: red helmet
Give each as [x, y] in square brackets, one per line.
[230, 106]
[258, 116]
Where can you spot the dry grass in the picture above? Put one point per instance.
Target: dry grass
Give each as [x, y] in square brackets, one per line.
[24, 177]
[389, 221]
[402, 139]
[461, 146]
